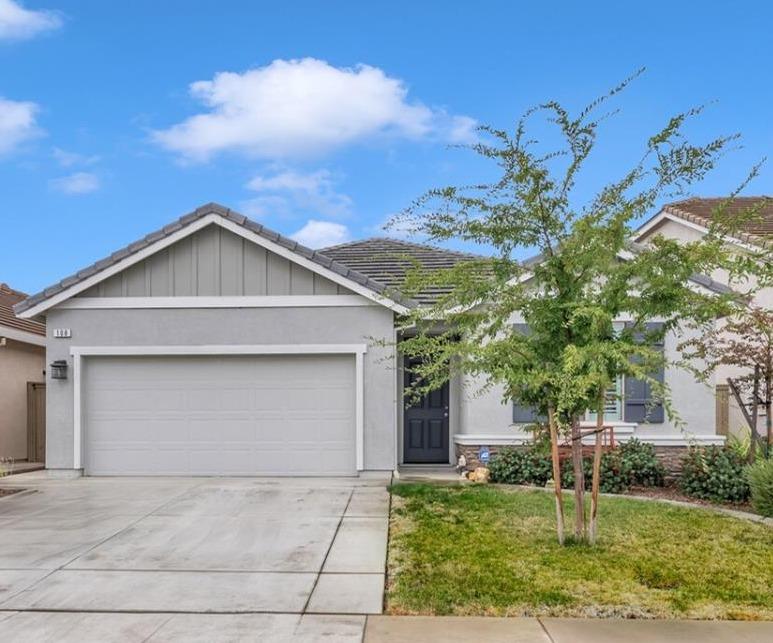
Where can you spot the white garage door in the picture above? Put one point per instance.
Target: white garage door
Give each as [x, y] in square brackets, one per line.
[219, 415]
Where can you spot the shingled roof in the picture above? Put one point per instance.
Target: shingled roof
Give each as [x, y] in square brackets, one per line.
[8, 298]
[702, 211]
[387, 261]
[213, 208]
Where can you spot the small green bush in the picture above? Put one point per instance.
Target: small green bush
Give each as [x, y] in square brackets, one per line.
[641, 464]
[634, 463]
[613, 477]
[508, 466]
[714, 473]
[521, 466]
[760, 479]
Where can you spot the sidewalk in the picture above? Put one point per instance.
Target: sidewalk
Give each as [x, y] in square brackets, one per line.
[451, 629]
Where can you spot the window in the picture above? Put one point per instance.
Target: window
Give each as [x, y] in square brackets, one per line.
[613, 409]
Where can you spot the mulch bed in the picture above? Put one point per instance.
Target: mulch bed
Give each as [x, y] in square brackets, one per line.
[673, 493]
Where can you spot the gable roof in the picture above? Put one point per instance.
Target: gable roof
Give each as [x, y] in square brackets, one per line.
[8, 298]
[701, 211]
[215, 213]
[387, 261]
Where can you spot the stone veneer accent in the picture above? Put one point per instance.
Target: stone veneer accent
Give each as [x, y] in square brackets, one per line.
[670, 456]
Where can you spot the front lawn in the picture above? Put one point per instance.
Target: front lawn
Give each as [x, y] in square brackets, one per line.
[490, 550]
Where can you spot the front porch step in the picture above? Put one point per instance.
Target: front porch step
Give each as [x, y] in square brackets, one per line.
[427, 472]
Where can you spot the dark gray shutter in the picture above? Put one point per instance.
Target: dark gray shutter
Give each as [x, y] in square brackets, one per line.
[639, 405]
[525, 414]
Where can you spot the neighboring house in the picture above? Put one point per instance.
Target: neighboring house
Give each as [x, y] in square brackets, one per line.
[22, 364]
[215, 346]
[689, 220]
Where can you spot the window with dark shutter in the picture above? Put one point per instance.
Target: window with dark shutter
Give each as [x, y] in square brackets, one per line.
[638, 398]
[525, 414]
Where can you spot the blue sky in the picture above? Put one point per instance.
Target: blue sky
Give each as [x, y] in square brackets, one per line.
[117, 117]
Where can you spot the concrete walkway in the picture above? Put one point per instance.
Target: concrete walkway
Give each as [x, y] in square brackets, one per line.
[130, 559]
[415, 629]
[90, 627]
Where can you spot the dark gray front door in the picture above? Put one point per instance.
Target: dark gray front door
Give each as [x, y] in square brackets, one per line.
[425, 426]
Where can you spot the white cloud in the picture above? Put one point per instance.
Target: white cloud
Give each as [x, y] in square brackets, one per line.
[319, 234]
[291, 180]
[462, 129]
[68, 159]
[298, 108]
[17, 123]
[287, 191]
[18, 23]
[77, 183]
[267, 206]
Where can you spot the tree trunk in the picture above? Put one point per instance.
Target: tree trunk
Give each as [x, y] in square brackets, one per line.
[579, 481]
[755, 414]
[556, 475]
[594, 497]
[768, 404]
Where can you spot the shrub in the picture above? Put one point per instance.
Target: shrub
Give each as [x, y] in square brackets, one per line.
[521, 466]
[714, 473]
[641, 464]
[508, 466]
[613, 478]
[632, 463]
[760, 478]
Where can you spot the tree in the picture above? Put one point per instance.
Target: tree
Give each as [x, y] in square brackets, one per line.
[744, 341]
[587, 275]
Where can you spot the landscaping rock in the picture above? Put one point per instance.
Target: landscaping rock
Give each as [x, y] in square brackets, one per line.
[480, 474]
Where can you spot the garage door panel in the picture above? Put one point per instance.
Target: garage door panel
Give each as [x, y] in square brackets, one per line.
[230, 429]
[234, 415]
[120, 398]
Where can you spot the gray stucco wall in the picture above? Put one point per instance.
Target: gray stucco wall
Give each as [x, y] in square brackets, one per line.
[203, 326]
[484, 413]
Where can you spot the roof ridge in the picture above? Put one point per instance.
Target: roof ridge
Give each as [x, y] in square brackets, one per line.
[413, 244]
[347, 244]
[4, 287]
[720, 198]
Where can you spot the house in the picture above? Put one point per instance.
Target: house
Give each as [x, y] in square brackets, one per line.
[689, 220]
[215, 346]
[22, 388]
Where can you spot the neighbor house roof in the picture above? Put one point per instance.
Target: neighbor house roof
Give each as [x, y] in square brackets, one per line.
[317, 257]
[702, 211]
[633, 247]
[8, 298]
[387, 261]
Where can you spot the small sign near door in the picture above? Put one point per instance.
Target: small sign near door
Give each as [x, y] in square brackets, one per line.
[484, 455]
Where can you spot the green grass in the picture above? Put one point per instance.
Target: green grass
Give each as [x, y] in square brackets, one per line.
[489, 550]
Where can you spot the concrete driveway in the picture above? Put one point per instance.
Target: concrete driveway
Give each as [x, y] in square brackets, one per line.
[191, 558]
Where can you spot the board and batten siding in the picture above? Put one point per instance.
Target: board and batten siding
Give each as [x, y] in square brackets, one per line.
[214, 262]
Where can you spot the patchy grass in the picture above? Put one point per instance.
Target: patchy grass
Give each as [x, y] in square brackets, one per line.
[492, 551]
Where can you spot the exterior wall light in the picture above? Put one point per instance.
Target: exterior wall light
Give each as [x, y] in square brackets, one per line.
[59, 369]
